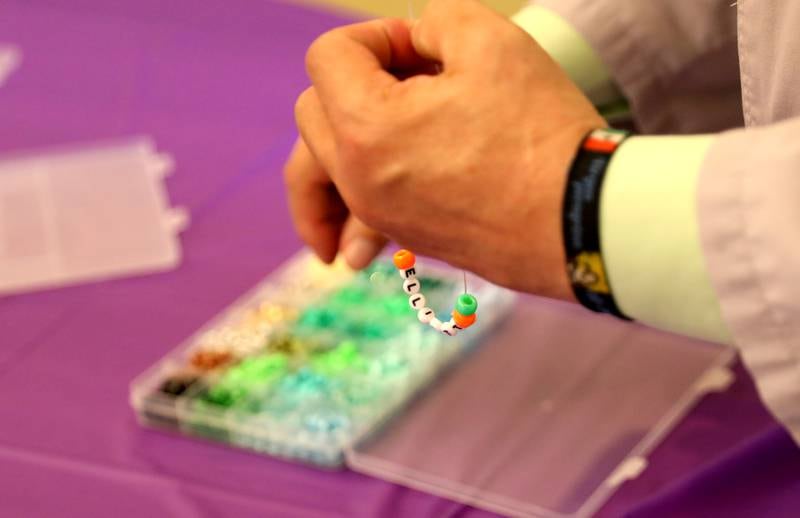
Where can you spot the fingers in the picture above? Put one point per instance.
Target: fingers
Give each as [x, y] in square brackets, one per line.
[405, 60]
[351, 64]
[321, 217]
[316, 208]
[315, 129]
[360, 244]
[454, 32]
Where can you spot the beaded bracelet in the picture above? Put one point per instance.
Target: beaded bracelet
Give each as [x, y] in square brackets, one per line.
[463, 315]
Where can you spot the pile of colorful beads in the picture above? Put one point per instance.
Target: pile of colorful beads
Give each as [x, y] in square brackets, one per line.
[315, 359]
[463, 315]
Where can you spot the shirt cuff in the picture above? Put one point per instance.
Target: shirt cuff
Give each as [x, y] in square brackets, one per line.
[570, 50]
[650, 236]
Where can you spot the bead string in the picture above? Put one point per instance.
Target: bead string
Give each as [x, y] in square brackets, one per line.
[463, 314]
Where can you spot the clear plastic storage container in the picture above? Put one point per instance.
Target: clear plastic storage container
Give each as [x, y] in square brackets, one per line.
[546, 417]
[312, 360]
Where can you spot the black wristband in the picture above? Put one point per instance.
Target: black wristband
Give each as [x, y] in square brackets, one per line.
[581, 224]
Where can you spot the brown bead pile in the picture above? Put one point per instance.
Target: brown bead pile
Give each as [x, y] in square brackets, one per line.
[209, 360]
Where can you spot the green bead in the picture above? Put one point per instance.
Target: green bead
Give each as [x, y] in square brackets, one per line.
[344, 357]
[317, 317]
[395, 305]
[347, 349]
[248, 375]
[466, 304]
[431, 283]
[224, 395]
[349, 295]
[374, 330]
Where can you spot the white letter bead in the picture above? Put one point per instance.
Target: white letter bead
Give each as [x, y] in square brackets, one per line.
[408, 273]
[416, 301]
[425, 315]
[436, 324]
[411, 285]
[449, 328]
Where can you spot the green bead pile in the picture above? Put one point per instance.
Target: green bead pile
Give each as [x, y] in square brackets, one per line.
[345, 357]
[249, 375]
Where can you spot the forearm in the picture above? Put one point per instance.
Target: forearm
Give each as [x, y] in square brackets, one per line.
[571, 51]
[648, 220]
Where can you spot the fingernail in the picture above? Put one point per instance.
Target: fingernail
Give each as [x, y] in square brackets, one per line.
[360, 252]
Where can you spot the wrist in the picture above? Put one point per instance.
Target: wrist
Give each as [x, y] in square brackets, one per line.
[546, 274]
[585, 263]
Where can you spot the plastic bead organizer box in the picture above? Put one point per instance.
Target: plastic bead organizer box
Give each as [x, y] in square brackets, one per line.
[312, 360]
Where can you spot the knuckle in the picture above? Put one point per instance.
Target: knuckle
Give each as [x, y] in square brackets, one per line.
[302, 103]
[315, 49]
[316, 52]
[360, 142]
[354, 144]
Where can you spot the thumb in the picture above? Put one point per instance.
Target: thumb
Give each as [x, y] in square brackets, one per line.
[360, 244]
[451, 31]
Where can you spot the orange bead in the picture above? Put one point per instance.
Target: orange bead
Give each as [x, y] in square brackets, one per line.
[404, 259]
[462, 321]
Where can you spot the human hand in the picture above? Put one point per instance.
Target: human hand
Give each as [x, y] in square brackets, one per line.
[468, 165]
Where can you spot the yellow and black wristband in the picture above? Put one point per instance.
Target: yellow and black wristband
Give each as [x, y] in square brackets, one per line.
[581, 221]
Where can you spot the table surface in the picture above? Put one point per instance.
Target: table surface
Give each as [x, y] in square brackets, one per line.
[213, 82]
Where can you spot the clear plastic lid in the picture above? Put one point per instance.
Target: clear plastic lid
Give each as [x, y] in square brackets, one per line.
[550, 416]
[79, 214]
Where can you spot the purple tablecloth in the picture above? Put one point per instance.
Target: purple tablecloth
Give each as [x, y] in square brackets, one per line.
[214, 83]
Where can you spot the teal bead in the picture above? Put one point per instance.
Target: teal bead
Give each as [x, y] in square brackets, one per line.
[326, 420]
[466, 304]
[318, 317]
[304, 383]
[374, 330]
[431, 283]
